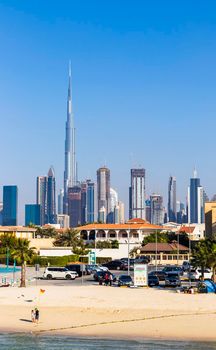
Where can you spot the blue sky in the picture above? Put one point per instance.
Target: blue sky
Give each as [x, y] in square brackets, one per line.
[144, 86]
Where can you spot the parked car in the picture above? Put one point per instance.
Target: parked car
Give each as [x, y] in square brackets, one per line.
[153, 280]
[142, 260]
[93, 268]
[160, 274]
[115, 265]
[59, 273]
[172, 279]
[98, 275]
[196, 274]
[186, 266]
[125, 280]
[79, 268]
[177, 269]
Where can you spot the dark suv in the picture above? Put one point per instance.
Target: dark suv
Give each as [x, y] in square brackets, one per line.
[172, 279]
[115, 265]
[177, 269]
[79, 268]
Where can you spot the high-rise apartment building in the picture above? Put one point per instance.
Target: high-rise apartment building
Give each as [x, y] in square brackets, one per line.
[41, 197]
[1, 212]
[51, 197]
[172, 214]
[63, 220]
[195, 201]
[70, 171]
[10, 205]
[103, 190]
[60, 201]
[148, 210]
[157, 210]
[90, 201]
[46, 197]
[74, 205]
[137, 194]
[32, 214]
[83, 203]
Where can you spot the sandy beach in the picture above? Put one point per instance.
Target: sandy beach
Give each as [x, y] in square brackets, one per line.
[101, 311]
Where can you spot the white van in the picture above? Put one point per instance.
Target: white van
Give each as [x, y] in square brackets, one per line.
[59, 272]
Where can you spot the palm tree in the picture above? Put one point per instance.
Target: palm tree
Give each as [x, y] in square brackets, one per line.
[7, 240]
[46, 232]
[22, 253]
[71, 238]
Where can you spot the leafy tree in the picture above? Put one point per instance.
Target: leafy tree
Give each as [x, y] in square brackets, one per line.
[204, 256]
[161, 238]
[23, 254]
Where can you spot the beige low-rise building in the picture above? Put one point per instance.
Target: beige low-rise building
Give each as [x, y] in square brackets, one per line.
[18, 231]
[210, 219]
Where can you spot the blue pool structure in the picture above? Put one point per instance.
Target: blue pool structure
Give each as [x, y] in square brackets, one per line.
[4, 270]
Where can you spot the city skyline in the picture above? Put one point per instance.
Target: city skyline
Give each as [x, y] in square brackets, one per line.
[140, 82]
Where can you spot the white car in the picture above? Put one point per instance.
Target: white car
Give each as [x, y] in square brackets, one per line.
[195, 274]
[59, 272]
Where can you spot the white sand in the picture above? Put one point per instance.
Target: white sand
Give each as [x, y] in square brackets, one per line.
[105, 311]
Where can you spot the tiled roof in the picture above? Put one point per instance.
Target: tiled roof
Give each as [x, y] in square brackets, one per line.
[187, 229]
[137, 221]
[126, 226]
[16, 228]
[163, 247]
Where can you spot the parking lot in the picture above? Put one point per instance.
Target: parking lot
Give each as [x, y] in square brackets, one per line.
[36, 278]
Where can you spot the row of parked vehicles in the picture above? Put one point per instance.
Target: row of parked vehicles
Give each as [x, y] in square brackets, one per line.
[171, 275]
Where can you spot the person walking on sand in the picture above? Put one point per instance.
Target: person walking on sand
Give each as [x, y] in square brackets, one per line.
[33, 316]
[37, 315]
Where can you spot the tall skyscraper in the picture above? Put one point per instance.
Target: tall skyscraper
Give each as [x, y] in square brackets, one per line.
[113, 204]
[119, 213]
[195, 201]
[157, 211]
[74, 205]
[32, 214]
[137, 194]
[10, 204]
[41, 197]
[51, 197]
[70, 176]
[60, 201]
[103, 191]
[83, 203]
[172, 215]
[90, 201]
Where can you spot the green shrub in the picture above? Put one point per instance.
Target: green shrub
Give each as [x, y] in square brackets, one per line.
[54, 260]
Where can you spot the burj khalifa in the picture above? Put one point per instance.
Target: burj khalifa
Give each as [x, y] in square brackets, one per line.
[70, 176]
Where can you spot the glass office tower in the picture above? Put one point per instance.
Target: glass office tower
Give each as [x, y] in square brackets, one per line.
[10, 200]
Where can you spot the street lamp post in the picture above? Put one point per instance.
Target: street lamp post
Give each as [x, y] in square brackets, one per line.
[128, 253]
[178, 249]
[189, 255]
[156, 251]
[7, 257]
